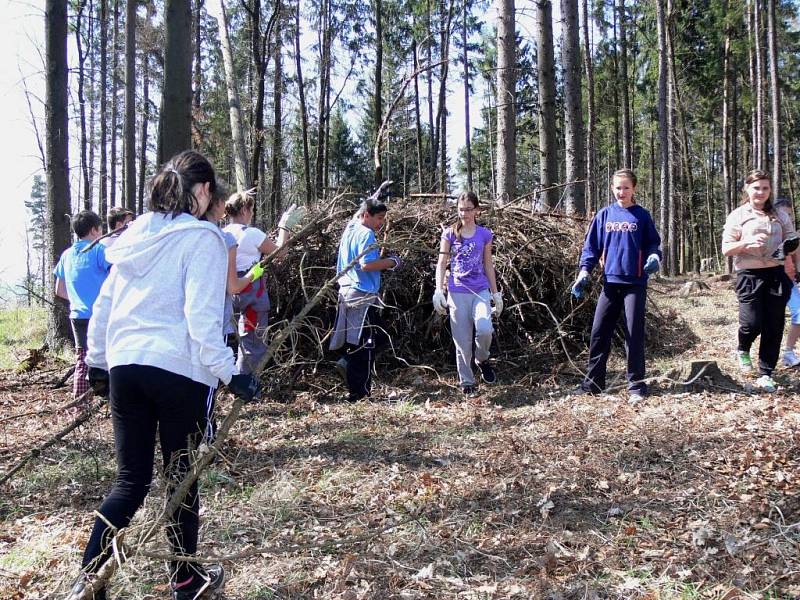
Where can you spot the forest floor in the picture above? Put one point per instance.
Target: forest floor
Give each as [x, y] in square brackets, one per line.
[524, 492]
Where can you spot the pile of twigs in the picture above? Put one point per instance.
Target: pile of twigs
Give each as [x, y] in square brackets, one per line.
[536, 259]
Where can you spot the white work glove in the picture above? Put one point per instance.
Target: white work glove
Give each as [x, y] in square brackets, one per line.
[292, 216]
[580, 283]
[497, 300]
[440, 302]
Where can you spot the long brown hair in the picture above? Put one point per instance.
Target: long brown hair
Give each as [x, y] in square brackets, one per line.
[171, 190]
[238, 202]
[472, 197]
[753, 176]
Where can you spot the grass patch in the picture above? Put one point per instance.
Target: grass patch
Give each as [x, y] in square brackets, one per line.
[20, 329]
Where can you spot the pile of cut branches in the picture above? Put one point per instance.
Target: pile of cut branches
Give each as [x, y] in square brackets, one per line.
[536, 258]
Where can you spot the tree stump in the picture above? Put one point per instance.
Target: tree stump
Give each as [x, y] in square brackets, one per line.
[696, 375]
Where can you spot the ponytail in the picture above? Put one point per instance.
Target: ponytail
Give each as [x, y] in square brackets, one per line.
[171, 189]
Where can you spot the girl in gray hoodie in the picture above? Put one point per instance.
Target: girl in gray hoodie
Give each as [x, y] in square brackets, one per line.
[157, 349]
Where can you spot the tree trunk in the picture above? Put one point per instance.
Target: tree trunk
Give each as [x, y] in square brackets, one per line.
[591, 187]
[676, 212]
[506, 102]
[663, 134]
[130, 106]
[324, 84]
[303, 110]
[378, 92]
[175, 117]
[420, 181]
[145, 121]
[103, 180]
[198, 56]
[548, 143]
[57, 158]
[727, 141]
[87, 185]
[112, 200]
[432, 140]
[465, 58]
[276, 188]
[441, 113]
[775, 94]
[234, 105]
[573, 115]
[627, 135]
[92, 140]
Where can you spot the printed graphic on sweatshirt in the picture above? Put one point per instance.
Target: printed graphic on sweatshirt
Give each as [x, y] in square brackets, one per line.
[623, 226]
[467, 259]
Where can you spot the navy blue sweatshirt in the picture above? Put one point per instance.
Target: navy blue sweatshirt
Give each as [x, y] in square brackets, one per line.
[621, 239]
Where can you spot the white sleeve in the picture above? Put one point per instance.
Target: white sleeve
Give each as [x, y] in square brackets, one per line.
[204, 287]
[98, 324]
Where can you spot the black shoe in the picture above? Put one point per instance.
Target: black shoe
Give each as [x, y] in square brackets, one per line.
[580, 391]
[351, 398]
[81, 583]
[487, 372]
[470, 391]
[205, 586]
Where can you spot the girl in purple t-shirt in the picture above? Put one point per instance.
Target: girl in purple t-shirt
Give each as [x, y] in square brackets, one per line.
[471, 288]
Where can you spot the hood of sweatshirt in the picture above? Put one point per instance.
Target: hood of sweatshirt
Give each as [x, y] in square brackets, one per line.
[141, 244]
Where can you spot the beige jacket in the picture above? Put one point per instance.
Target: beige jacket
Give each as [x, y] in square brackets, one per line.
[746, 222]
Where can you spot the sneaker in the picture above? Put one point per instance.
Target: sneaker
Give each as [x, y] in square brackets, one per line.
[745, 362]
[341, 368]
[766, 383]
[202, 587]
[487, 372]
[470, 391]
[636, 397]
[81, 583]
[790, 359]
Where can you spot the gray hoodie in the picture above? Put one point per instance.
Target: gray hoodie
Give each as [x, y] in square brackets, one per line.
[162, 304]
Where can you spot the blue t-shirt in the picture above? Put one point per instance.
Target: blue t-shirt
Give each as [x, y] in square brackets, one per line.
[83, 274]
[355, 239]
[621, 239]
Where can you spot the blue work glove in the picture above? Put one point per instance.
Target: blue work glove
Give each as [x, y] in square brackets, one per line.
[652, 265]
[245, 387]
[98, 381]
[580, 284]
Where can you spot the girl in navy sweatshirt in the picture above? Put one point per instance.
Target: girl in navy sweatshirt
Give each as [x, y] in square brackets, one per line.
[624, 240]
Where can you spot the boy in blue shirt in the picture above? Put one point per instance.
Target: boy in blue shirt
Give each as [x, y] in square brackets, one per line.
[358, 324]
[79, 276]
[624, 240]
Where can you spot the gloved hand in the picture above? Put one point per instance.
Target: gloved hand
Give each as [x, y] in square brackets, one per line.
[255, 272]
[439, 302]
[98, 381]
[292, 216]
[652, 265]
[245, 386]
[497, 300]
[580, 284]
[398, 262]
[788, 246]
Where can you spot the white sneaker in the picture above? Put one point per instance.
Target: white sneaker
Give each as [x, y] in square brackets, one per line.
[790, 359]
[766, 383]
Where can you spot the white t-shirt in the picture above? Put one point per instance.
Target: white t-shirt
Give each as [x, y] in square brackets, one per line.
[249, 240]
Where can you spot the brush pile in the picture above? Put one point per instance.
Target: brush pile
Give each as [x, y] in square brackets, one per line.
[536, 258]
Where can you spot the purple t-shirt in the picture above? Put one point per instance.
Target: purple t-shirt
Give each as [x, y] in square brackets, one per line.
[466, 260]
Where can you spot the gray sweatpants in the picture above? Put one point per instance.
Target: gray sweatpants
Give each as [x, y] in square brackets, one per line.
[470, 317]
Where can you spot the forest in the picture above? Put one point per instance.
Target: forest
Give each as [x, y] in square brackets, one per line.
[525, 490]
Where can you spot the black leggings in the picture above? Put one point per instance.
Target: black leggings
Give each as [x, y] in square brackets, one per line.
[145, 400]
[762, 294]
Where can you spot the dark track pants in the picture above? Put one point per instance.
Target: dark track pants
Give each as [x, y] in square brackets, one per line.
[361, 357]
[144, 400]
[613, 298]
[762, 294]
